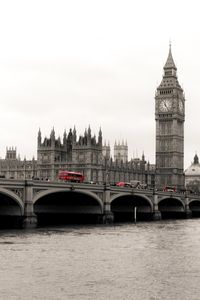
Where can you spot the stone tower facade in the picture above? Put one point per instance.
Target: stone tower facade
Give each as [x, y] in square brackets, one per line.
[87, 155]
[170, 117]
[106, 151]
[121, 152]
[11, 153]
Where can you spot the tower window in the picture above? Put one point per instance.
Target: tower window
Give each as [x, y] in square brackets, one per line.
[163, 92]
[167, 73]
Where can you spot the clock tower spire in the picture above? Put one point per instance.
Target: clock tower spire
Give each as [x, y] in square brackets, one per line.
[170, 117]
[170, 65]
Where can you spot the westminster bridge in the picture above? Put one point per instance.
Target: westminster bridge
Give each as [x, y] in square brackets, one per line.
[31, 200]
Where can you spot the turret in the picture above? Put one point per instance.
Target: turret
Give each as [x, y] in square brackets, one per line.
[65, 138]
[39, 138]
[74, 135]
[143, 157]
[196, 160]
[69, 137]
[89, 135]
[52, 137]
[89, 131]
[100, 137]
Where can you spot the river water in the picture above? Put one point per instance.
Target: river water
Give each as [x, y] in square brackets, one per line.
[155, 260]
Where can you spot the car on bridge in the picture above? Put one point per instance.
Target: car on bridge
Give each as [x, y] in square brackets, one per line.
[124, 184]
[168, 188]
[133, 184]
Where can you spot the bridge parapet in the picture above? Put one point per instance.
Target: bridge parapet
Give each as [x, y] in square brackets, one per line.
[18, 187]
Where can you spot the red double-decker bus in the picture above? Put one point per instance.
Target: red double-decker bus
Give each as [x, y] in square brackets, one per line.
[70, 176]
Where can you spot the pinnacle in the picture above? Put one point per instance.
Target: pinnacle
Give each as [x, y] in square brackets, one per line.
[170, 62]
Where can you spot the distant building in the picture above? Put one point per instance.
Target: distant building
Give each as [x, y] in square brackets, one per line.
[192, 175]
[84, 154]
[15, 168]
[87, 155]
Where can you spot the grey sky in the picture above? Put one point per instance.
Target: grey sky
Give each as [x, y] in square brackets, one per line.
[66, 63]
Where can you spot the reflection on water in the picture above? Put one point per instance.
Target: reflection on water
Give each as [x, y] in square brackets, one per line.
[157, 260]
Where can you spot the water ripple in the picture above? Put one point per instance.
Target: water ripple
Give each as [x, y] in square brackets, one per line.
[157, 260]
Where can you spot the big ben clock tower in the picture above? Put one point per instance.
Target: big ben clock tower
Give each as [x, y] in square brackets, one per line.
[170, 117]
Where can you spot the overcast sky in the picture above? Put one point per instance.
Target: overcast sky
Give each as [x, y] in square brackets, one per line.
[97, 63]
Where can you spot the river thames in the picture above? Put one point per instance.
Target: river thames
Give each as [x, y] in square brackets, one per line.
[155, 260]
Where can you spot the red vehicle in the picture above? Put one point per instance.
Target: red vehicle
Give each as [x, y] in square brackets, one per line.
[71, 176]
[123, 184]
[169, 189]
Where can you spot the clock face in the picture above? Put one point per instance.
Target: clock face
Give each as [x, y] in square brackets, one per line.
[181, 106]
[165, 105]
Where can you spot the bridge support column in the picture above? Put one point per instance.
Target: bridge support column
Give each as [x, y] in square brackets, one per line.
[108, 216]
[30, 219]
[156, 213]
[188, 212]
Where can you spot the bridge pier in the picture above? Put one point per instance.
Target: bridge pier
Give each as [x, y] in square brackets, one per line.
[156, 213]
[108, 216]
[29, 222]
[188, 212]
[30, 219]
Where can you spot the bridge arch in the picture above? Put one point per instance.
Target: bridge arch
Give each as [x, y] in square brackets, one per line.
[194, 206]
[171, 206]
[9, 198]
[133, 195]
[173, 198]
[191, 200]
[53, 191]
[124, 205]
[68, 205]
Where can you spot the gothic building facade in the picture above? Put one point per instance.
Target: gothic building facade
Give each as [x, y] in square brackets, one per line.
[12, 167]
[85, 154]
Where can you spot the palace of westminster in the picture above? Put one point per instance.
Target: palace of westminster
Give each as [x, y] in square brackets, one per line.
[88, 155]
